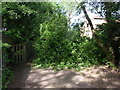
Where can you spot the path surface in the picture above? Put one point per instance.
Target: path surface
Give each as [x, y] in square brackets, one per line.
[99, 77]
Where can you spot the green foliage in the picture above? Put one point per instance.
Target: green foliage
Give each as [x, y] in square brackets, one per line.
[110, 32]
[21, 20]
[6, 77]
[71, 55]
[7, 73]
[56, 46]
[4, 45]
[52, 42]
[59, 48]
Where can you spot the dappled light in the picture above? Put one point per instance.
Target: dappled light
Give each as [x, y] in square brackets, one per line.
[94, 77]
[60, 44]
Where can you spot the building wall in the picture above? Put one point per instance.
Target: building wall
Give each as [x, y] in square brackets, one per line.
[86, 30]
[97, 21]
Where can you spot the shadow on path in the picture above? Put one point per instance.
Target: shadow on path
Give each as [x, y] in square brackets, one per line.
[95, 77]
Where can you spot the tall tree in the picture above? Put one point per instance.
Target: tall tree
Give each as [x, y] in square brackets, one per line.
[111, 29]
[21, 20]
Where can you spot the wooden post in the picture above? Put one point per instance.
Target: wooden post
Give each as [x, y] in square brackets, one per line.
[25, 52]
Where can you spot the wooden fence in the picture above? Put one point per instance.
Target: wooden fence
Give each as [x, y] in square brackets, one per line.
[19, 53]
[23, 52]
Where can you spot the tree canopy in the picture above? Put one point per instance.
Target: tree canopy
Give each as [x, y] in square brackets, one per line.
[57, 44]
[22, 20]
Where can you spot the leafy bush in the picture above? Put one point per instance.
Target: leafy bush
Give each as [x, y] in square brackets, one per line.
[59, 48]
[7, 73]
[31, 13]
[6, 77]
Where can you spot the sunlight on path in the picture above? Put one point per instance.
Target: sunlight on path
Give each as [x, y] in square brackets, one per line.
[99, 77]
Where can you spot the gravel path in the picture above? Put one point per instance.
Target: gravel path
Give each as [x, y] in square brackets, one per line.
[95, 77]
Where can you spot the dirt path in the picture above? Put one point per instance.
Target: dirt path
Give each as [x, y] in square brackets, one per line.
[99, 77]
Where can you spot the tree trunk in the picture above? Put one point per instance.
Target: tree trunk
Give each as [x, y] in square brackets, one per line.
[110, 52]
[87, 17]
[92, 28]
[116, 53]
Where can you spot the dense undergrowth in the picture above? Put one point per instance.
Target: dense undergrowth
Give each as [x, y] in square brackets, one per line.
[71, 55]
[60, 49]
[58, 45]
[7, 72]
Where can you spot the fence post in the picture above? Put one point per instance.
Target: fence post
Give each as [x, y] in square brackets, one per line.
[25, 52]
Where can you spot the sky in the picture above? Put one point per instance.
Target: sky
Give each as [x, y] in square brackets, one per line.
[70, 7]
[81, 17]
